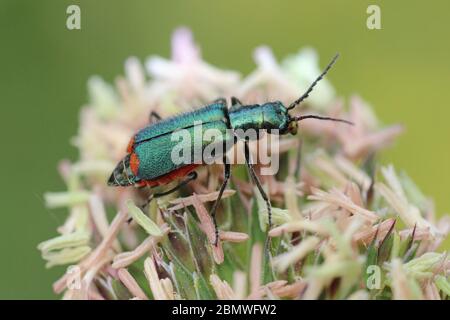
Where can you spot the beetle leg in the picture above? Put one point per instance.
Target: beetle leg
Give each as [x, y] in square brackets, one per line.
[257, 182]
[235, 102]
[191, 177]
[154, 115]
[220, 100]
[146, 203]
[227, 174]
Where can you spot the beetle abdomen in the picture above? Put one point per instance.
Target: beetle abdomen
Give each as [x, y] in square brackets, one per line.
[169, 152]
[122, 174]
[169, 177]
[173, 147]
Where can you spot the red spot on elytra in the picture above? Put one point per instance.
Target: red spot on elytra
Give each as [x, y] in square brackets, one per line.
[134, 163]
[130, 146]
[169, 177]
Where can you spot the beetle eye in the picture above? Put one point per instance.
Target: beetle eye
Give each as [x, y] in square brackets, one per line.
[293, 127]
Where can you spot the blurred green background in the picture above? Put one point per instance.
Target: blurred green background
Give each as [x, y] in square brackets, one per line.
[403, 70]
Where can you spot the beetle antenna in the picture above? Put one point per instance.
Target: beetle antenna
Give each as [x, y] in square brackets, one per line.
[311, 116]
[311, 87]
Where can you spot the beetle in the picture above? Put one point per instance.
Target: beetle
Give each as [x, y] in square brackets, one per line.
[148, 161]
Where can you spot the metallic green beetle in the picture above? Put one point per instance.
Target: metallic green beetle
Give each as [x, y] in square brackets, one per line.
[149, 160]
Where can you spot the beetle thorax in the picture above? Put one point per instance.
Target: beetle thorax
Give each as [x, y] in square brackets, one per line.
[270, 116]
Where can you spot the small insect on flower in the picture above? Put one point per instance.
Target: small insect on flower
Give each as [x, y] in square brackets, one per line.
[149, 161]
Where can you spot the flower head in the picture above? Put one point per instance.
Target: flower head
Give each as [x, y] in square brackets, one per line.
[334, 216]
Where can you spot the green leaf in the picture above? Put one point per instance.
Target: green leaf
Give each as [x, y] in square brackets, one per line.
[395, 246]
[144, 221]
[187, 250]
[183, 277]
[443, 284]
[120, 291]
[74, 239]
[372, 258]
[136, 271]
[65, 199]
[65, 256]
[384, 250]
